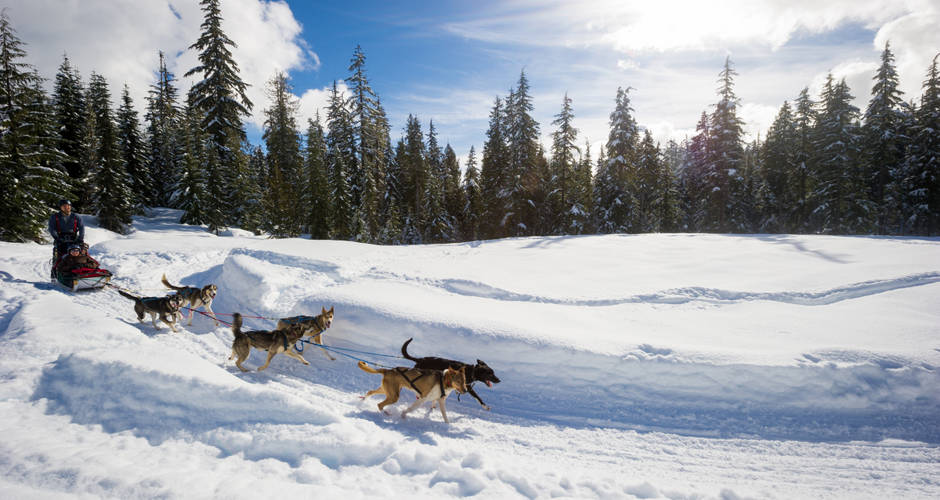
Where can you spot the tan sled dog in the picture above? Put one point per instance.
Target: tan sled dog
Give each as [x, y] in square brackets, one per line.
[313, 326]
[275, 342]
[196, 297]
[431, 385]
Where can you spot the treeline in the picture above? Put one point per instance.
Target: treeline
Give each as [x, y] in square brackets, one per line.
[824, 167]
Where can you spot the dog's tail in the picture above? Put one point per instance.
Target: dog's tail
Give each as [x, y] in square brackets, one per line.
[125, 294]
[237, 325]
[366, 368]
[404, 350]
[167, 284]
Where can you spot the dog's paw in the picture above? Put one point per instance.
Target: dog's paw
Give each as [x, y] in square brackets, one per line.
[485, 407]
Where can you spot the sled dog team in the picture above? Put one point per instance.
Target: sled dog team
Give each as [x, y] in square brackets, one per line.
[432, 378]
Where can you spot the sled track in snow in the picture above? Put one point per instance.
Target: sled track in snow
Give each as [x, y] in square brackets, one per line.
[697, 294]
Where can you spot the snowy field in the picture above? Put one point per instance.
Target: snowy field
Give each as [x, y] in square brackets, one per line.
[633, 366]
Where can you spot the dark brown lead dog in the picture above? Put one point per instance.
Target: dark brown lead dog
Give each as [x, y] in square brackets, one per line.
[480, 372]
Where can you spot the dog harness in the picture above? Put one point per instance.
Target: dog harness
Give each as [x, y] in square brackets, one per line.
[402, 370]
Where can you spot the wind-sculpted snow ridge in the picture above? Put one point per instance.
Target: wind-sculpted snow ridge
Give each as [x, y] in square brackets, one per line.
[699, 294]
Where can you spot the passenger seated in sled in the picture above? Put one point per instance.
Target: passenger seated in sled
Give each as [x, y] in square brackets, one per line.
[75, 261]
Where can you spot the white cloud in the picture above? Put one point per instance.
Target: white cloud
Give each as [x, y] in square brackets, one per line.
[667, 25]
[314, 101]
[120, 40]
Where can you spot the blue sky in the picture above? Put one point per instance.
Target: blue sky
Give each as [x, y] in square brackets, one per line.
[447, 61]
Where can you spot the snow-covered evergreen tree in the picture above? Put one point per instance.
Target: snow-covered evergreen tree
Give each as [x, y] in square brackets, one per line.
[648, 186]
[68, 100]
[495, 177]
[341, 152]
[473, 208]
[316, 194]
[563, 198]
[250, 188]
[522, 139]
[693, 182]
[166, 138]
[581, 195]
[190, 194]
[30, 162]
[113, 200]
[778, 168]
[920, 186]
[131, 144]
[614, 202]
[415, 175]
[371, 144]
[840, 198]
[884, 139]
[221, 98]
[454, 197]
[724, 176]
[802, 180]
[285, 163]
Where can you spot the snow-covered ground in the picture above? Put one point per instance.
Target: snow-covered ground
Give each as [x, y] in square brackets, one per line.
[633, 366]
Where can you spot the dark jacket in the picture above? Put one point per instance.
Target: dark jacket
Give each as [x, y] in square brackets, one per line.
[64, 228]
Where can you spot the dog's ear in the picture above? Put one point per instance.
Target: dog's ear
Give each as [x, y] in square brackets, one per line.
[481, 362]
[322, 310]
[331, 309]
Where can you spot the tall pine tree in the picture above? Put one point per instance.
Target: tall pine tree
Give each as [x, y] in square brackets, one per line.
[131, 144]
[113, 199]
[221, 99]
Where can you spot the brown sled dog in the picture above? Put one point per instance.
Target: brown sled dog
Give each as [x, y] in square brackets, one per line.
[275, 342]
[196, 297]
[313, 326]
[166, 308]
[431, 385]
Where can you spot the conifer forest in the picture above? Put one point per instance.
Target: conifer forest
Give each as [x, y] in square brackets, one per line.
[824, 167]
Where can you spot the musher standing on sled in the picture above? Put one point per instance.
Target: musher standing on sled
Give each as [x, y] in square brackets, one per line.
[66, 229]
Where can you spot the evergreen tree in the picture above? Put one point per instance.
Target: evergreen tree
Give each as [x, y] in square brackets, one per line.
[614, 202]
[250, 189]
[436, 225]
[30, 181]
[221, 99]
[316, 195]
[563, 198]
[371, 144]
[669, 211]
[284, 160]
[778, 168]
[69, 102]
[802, 179]
[340, 154]
[522, 134]
[495, 177]
[694, 186]
[581, 194]
[921, 182]
[454, 198]
[884, 143]
[841, 201]
[167, 139]
[473, 209]
[132, 150]
[113, 199]
[724, 177]
[649, 186]
[191, 194]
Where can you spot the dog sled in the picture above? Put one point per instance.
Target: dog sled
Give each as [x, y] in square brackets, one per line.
[84, 278]
[82, 272]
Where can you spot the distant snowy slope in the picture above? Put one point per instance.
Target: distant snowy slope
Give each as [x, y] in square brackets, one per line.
[633, 366]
